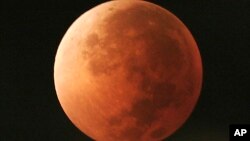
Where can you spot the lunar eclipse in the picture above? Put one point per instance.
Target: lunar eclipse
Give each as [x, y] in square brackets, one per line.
[128, 71]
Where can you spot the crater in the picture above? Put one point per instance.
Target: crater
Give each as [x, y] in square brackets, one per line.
[158, 133]
[92, 40]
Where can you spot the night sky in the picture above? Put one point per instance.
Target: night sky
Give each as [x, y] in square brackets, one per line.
[32, 30]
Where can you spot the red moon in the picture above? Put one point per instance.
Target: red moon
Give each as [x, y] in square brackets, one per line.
[128, 71]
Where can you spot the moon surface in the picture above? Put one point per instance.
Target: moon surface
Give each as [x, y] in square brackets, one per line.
[128, 71]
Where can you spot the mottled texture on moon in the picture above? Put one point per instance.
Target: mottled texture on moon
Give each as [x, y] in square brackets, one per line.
[128, 71]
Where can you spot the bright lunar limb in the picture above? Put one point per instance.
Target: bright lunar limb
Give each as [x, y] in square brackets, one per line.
[128, 71]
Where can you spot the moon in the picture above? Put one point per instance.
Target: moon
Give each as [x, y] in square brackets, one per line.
[128, 71]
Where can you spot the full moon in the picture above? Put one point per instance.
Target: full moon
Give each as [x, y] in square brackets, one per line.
[128, 70]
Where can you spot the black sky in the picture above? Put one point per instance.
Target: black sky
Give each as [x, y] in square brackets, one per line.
[32, 30]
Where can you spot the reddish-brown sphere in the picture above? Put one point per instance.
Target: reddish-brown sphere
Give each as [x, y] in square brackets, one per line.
[128, 71]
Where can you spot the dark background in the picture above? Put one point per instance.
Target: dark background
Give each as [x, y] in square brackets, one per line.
[32, 30]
